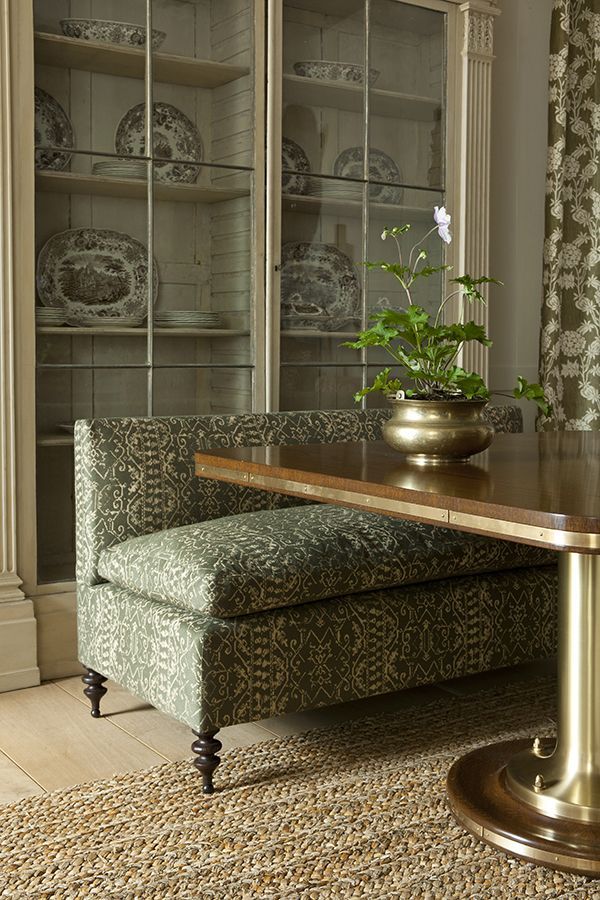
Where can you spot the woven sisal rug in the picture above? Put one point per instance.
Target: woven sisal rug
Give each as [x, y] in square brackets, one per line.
[354, 811]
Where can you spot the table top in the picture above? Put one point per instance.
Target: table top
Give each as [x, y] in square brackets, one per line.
[540, 489]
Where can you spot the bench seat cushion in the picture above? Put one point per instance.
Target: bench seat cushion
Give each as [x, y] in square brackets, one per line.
[270, 559]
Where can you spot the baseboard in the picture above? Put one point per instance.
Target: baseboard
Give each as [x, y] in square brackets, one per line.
[18, 663]
[23, 678]
[57, 635]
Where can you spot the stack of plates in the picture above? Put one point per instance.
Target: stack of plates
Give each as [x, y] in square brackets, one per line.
[49, 315]
[324, 187]
[107, 321]
[120, 168]
[184, 318]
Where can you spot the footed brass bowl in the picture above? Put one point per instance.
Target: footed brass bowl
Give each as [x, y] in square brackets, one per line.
[431, 432]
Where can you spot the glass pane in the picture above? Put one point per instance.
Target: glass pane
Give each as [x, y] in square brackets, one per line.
[192, 391]
[384, 291]
[92, 270]
[406, 135]
[203, 112]
[203, 243]
[323, 83]
[319, 386]
[65, 395]
[83, 94]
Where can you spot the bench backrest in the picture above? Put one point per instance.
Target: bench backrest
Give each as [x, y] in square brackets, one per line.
[134, 476]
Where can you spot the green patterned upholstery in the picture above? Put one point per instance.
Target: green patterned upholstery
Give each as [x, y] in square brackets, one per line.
[236, 565]
[135, 478]
[210, 672]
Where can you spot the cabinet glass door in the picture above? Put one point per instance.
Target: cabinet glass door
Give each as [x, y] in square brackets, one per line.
[358, 154]
[145, 225]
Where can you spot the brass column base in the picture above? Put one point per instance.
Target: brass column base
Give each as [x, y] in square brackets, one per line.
[481, 801]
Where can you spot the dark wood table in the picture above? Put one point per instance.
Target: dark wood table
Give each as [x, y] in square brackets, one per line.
[537, 799]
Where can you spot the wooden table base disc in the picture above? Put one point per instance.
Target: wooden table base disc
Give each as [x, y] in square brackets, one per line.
[481, 802]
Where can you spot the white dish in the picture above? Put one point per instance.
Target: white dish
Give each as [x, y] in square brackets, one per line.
[107, 321]
[120, 169]
[382, 168]
[52, 129]
[331, 70]
[319, 287]
[175, 138]
[105, 31]
[94, 272]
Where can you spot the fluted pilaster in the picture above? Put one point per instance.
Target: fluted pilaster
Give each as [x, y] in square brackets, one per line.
[17, 623]
[474, 156]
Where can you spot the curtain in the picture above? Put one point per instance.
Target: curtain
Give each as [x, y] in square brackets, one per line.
[570, 335]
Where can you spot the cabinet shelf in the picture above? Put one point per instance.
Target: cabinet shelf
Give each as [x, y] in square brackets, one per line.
[335, 207]
[55, 440]
[101, 186]
[114, 59]
[309, 333]
[74, 331]
[349, 97]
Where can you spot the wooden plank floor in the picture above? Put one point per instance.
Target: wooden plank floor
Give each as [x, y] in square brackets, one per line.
[48, 739]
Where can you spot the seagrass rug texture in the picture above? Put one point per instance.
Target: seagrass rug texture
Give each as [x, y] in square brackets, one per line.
[357, 810]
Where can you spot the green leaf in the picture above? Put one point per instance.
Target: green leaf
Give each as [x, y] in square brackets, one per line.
[381, 382]
[469, 331]
[470, 384]
[394, 269]
[394, 232]
[426, 271]
[469, 286]
[532, 391]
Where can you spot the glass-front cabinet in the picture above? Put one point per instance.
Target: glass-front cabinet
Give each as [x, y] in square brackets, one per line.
[205, 201]
[363, 134]
[146, 237]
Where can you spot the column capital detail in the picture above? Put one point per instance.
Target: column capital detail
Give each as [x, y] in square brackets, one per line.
[478, 31]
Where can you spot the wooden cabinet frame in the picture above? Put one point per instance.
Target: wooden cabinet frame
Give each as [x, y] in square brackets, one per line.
[467, 190]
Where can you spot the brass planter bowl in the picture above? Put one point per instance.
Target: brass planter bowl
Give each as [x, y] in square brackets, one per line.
[431, 432]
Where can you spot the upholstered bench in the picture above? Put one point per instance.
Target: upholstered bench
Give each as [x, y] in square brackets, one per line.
[220, 604]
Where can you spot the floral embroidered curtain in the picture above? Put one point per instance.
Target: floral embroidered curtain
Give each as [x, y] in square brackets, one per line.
[570, 337]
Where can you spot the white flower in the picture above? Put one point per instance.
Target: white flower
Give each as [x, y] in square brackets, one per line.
[442, 220]
[383, 235]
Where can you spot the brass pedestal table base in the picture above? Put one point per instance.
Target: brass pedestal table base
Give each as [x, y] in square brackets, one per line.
[540, 800]
[482, 803]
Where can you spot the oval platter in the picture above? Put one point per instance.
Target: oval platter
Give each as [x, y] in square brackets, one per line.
[349, 164]
[95, 272]
[52, 129]
[175, 138]
[319, 287]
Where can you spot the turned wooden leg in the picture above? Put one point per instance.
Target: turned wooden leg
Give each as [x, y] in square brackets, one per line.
[207, 760]
[94, 691]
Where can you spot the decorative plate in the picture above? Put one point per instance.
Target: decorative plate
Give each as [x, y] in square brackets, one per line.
[52, 129]
[107, 32]
[175, 137]
[319, 287]
[94, 272]
[293, 157]
[328, 70]
[382, 167]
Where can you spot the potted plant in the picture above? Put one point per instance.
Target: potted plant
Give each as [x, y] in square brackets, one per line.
[437, 406]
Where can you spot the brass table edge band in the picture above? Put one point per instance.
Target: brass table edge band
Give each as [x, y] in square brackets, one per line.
[325, 493]
[569, 540]
[525, 851]
[578, 541]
